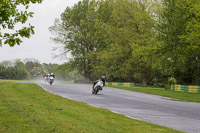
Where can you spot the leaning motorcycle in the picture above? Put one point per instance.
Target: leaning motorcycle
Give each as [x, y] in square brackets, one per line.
[97, 87]
[51, 79]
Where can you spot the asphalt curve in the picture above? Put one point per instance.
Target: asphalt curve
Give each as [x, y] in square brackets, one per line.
[183, 116]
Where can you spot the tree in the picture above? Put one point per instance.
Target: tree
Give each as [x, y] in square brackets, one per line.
[2, 71]
[50, 68]
[13, 70]
[75, 31]
[23, 72]
[180, 36]
[34, 67]
[66, 72]
[102, 37]
[10, 15]
[130, 38]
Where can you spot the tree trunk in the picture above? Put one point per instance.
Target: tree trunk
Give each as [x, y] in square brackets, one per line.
[146, 78]
[144, 82]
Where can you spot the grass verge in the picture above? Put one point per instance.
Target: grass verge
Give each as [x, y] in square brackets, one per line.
[182, 96]
[28, 108]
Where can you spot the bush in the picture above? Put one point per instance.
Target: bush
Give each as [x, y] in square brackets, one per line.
[172, 81]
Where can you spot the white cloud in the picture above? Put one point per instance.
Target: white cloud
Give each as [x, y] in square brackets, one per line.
[39, 46]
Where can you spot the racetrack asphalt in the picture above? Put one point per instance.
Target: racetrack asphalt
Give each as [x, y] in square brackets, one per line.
[183, 116]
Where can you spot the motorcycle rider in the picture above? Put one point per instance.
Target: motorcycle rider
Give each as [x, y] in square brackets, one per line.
[52, 75]
[51, 78]
[48, 77]
[103, 79]
[45, 77]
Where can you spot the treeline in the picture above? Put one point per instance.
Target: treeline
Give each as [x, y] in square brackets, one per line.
[33, 69]
[142, 41]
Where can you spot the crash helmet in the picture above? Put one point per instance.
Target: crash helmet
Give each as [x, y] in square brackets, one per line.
[103, 77]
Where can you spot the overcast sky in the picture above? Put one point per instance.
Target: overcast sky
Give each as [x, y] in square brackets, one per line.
[39, 46]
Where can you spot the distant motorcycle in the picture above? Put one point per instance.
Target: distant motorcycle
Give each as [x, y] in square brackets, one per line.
[51, 80]
[97, 87]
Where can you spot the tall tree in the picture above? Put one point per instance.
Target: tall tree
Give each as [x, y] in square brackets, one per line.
[75, 31]
[23, 72]
[10, 15]
[180, 35]
[34, 67]
[130, 38]
[103, 37]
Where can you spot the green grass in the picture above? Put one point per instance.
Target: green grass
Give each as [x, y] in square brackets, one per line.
[182, 96]
[13, 80]
[28, 108]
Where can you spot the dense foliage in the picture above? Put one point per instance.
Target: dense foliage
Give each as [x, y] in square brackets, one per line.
[105, 40]
[33, 69]
[10, 15]
[18, 69]
[142, 41]
[181, 39]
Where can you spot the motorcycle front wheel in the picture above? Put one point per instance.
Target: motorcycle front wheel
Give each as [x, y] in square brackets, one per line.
[96, 91]
[93, 91]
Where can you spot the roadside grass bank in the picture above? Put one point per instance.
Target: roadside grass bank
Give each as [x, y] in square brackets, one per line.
[181, 96]
[29, 108]
[22, 81]
[9, 80]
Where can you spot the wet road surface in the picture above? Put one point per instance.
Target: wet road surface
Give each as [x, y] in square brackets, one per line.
[183, 116]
